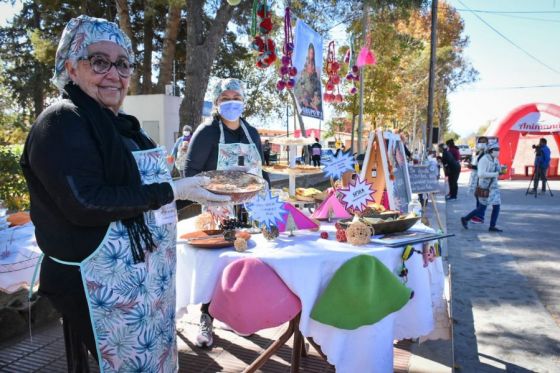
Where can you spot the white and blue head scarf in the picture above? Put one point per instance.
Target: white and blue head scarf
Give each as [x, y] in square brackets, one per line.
[80, 33]
[229, 84]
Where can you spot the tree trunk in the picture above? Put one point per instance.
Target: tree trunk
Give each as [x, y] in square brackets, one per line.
[124, 23]
[148, 49]
[39, 91]
[169, 42]
[201, 52]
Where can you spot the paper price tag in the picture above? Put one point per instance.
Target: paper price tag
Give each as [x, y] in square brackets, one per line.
[166, 214]
[267, 210]
[357, 195]
[336, 166]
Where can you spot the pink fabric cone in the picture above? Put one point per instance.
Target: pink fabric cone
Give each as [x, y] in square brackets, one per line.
[302, 221]
[365, 57]
[333, 204]
[250, 296]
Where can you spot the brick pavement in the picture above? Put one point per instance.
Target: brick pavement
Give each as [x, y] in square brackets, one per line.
[506, 287]
[231, 353]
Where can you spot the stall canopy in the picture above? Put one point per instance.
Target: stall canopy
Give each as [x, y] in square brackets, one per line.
[520, 129]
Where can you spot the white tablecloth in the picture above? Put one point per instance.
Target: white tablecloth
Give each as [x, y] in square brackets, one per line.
[306, 263]
[19, 254]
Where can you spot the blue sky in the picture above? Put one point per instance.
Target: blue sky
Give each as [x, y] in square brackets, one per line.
[500, 64]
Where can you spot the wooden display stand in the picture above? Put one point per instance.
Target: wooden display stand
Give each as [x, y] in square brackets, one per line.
[376, 170]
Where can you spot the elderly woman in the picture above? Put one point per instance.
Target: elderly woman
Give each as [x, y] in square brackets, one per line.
[226, 142]
[488, 171]
[102, 202]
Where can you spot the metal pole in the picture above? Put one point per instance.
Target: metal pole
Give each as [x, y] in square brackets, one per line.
[174, 81]
[362, 70]
[432, 77]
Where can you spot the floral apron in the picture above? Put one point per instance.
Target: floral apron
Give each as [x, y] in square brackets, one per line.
[228, 154]
[228, 158]
[132, 306]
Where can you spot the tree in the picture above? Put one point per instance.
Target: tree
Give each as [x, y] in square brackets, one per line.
[202, 43]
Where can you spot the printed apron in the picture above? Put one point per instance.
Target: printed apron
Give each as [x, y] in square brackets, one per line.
[132, 306]
[228, 158]
[228, 154]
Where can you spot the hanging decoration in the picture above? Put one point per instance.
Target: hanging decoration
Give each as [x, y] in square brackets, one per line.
[287, 69]
[366, 56]
[262, 43]
[333, 83]
[353, 70]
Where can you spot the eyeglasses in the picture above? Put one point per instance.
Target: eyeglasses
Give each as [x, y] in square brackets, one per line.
[102, 65]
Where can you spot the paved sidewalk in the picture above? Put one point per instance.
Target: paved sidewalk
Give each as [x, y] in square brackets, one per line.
[506, 287]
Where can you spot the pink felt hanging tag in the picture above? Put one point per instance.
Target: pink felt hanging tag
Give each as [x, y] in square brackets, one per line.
[366, 57]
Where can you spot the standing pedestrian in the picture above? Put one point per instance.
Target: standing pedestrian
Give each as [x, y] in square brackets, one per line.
[453, 149]
[542, 161]
[316, 153]
[488, 189]
[452, 170]
[266, 151]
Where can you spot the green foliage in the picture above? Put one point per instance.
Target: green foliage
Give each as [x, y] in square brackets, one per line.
[13, 189]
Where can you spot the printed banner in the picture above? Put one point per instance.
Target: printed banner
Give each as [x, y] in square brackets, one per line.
[537, 122]
[308, 59]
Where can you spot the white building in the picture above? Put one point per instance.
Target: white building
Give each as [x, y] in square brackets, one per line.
[158, 116]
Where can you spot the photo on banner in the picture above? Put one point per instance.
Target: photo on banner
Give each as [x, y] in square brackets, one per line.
[308, 59]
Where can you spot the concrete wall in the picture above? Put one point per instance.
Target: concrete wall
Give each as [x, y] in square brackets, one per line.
[158, 115]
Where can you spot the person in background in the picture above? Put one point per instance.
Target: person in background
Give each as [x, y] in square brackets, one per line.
[454, 150]
[218, 145]
[102, 203]
[316, 153]
[542, 161]
[452, 170]
[488, 170]
[180, 150]
[481, 146]
[266, 152]
[342, 149]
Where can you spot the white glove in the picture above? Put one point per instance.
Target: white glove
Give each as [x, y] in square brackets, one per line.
[191, 188]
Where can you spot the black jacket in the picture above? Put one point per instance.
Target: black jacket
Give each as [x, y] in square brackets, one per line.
[71, 204]
[203, 148]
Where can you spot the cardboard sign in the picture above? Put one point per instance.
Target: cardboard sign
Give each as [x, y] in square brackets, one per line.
[423, 179]
[267, 210]
[357, 196]
[336, 166]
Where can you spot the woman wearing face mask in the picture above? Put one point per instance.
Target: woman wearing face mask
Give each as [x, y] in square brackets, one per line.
[219, 145]
[488, 170]
[180, 150]
[481, 147]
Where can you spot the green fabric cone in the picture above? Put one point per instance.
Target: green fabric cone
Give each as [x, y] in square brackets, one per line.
[361, 292]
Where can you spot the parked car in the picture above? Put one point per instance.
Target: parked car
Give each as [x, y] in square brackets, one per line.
[466, 152]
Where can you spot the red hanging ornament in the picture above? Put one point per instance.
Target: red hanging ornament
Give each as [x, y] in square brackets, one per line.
[332, 88]
[287, 70]
[262, 44]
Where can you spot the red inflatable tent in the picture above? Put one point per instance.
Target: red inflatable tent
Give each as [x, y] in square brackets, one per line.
[523, 127]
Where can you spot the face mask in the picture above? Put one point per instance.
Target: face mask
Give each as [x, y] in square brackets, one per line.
[186, 133]
[231, 110]
[495, 153]
[481, 146]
